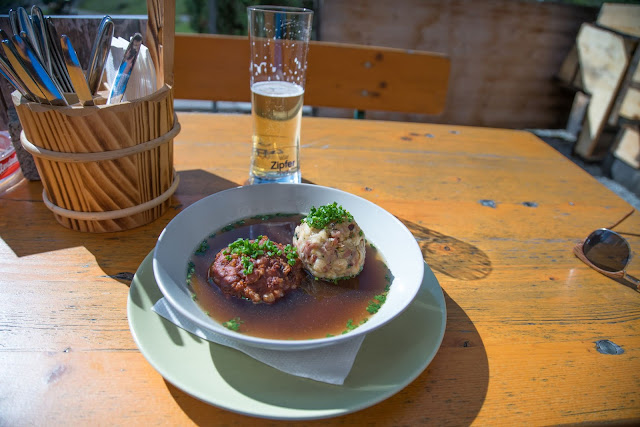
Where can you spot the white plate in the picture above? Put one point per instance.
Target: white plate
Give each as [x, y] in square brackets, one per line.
[185, 232]
[389, 359]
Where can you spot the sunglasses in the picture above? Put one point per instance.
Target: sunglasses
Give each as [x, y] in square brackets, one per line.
[608, 253]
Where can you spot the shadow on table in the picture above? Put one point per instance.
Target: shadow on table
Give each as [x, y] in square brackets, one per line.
[451, 390]
[450, 256]
[29, 232]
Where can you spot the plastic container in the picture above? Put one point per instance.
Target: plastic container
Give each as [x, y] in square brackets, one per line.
[10, 173]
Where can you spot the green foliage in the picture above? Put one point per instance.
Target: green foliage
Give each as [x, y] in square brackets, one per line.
[191, 15]
[198, 15]
[102, 7]
[232, 14]
[5, 5]
[57, 7]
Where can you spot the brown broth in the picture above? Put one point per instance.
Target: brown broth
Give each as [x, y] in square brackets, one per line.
[315, 310]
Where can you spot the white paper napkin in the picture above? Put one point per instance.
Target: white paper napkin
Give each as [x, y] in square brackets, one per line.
[327, 364]
[143, 76]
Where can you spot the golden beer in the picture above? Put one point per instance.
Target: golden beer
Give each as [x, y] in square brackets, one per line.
[276, 107]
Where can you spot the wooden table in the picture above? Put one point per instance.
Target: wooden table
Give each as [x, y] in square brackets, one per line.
[496, 212]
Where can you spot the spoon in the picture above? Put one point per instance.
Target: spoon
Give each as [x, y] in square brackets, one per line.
[99, 53]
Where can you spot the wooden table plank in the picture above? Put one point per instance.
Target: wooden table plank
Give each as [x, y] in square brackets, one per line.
[523, 312]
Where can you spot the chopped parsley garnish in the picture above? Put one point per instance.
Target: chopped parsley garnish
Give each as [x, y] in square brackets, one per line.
[324, 215]
[378, 300]
[351, 326]
[191, 268]
[233, 324]
[247, 264]
[291, 252]
[202, 248]
[251, 249]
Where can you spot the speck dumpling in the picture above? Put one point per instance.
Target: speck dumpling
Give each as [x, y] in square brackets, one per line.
[333, 252]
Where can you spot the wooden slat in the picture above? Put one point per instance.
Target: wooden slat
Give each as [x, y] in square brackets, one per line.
[603, 63]
[627, 103]
[344, 76]
[212, 68]
[578, 111]
[623, 18]
[630, 107]
[628, 146]
[569, 73]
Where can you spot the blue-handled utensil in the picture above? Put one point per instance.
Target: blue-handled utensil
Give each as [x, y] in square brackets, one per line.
[20, 70]
[34, 67]
[125, 69]
[75, 71]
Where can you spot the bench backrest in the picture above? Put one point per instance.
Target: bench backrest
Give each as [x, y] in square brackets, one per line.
[216, 67]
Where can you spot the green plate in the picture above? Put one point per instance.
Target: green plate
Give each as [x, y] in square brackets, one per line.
[389, 359]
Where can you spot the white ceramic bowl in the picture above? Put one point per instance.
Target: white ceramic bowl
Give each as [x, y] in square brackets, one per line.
[182, 235]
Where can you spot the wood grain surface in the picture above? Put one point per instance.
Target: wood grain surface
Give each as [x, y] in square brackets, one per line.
[504, 54]
[496, 212]
[99, 183]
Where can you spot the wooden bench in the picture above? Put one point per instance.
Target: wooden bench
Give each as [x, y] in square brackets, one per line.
[216, 67]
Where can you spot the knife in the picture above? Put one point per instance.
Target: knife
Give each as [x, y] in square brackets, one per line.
[124, 71]
[75, 71]
[8, 72]
[34, 67]
[37, 23]
[18, 67]
[13, 20]
[56, 55]
[25, 25]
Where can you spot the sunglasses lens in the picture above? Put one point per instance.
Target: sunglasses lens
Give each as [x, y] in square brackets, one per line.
[607, 250]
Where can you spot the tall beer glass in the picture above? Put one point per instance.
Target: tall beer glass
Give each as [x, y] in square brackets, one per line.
[278, 41]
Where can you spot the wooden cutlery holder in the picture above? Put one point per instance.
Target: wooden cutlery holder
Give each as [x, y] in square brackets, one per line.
[109, 167]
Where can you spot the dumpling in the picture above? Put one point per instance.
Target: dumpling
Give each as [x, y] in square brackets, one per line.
[330, 243]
